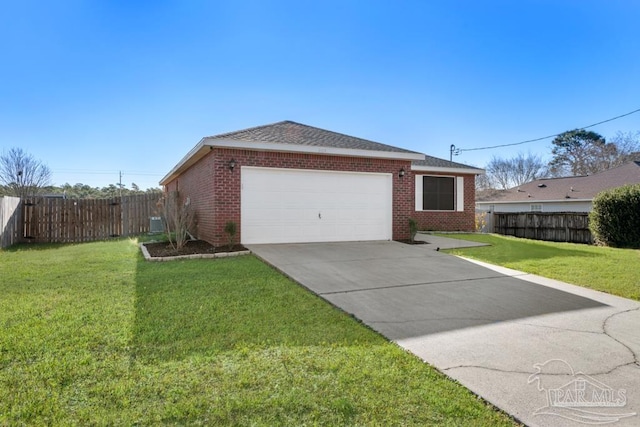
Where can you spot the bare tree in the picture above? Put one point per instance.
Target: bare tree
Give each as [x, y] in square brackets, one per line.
[483, 182]
[518, 170]
[628, 146]
[22, 174]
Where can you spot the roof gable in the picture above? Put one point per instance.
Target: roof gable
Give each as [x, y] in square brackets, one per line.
[288, 132]
[288, 136]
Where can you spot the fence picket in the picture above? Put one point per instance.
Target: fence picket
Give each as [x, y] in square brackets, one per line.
[83, 220]
[551, 226]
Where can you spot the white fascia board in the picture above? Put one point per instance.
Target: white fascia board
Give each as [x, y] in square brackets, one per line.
[518, 202]
[472, 171]
[192, 156]
[311, 149]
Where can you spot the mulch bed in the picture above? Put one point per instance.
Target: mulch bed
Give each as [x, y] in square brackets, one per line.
[193, 247]
[414, 242]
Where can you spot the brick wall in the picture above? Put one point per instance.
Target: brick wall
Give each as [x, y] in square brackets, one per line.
[197, 184]
[449, 220]
[215, 190]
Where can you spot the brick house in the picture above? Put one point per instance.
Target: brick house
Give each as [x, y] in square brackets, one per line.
[288, 182]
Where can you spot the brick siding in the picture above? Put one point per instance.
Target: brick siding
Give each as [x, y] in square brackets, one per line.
[449, 220]
[214, 190]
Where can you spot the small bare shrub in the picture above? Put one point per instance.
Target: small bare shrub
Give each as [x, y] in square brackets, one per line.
[178, 217]
[481, 222]
[413, 228]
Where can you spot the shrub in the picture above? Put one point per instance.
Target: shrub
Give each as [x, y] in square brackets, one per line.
[177, 216]
[615, 217]
[481, 222]
[230, 230]
[413, 228]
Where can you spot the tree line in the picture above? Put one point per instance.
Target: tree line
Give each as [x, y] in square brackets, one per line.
[573, 153]
[22, 175]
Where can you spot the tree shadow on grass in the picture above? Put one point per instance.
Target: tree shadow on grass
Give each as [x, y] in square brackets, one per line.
[23, 247]
[205, 307]
[43, 246]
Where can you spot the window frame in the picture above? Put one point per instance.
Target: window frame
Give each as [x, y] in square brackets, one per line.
[458, 193]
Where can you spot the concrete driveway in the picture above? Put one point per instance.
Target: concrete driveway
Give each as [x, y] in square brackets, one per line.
[547, 352]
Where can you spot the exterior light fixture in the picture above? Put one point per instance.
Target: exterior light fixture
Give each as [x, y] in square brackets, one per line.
[401, 173]
[232, 164]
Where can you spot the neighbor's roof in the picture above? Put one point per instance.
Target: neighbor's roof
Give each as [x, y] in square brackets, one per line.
[288, 136]
[572, 188]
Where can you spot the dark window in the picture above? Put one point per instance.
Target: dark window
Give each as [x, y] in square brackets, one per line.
[438, 193]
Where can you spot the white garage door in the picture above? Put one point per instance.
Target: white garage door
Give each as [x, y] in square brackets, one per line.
[292, 205]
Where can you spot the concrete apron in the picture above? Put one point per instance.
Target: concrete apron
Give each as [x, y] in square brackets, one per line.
[546, 352]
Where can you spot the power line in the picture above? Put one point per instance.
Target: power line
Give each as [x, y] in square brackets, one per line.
[87, 172]
[545, 137]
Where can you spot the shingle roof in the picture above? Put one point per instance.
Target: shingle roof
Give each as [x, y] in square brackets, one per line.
[288, 132]
[296, 137]
[574, 187]
[431, 161]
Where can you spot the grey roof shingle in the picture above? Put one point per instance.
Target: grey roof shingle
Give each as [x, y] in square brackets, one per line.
[440, 163]
[288, 132]
[292, 133]
[573, 187]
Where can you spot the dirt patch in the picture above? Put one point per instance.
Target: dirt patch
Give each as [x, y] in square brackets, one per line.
[413, 242]
[193, 247]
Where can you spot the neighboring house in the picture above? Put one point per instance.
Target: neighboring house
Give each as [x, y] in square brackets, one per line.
[570, 194]
[288, 182]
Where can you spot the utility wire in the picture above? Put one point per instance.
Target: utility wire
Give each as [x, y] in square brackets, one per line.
[84, 172]
[545, 137]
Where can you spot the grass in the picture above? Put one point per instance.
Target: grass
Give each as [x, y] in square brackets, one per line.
[616, 271]
[92, 334]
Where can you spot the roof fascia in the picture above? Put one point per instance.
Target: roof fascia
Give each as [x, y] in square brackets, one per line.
[189, 159]
[473, 171]
[533, 201]
[312, 149]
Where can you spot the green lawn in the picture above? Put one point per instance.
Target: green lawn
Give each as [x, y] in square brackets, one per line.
[94, 335]
[616, 271]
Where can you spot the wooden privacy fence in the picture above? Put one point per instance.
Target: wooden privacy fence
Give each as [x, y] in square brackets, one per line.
[83, 220]
[10, 221]
[551, 226]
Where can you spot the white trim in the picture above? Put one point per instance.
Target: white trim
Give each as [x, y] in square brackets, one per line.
[311, 149]
[419, 198]
[189, 159]
[316, 170]
[418, 193]
[459, 194]
[472, 171]
[533, 201]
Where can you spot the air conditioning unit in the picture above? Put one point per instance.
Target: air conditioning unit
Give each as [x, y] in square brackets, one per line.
[155, 225]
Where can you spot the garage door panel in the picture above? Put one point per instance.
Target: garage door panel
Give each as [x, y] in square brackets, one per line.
[288, 205]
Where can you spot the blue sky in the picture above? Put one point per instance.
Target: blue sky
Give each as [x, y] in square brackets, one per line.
[97, 87]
